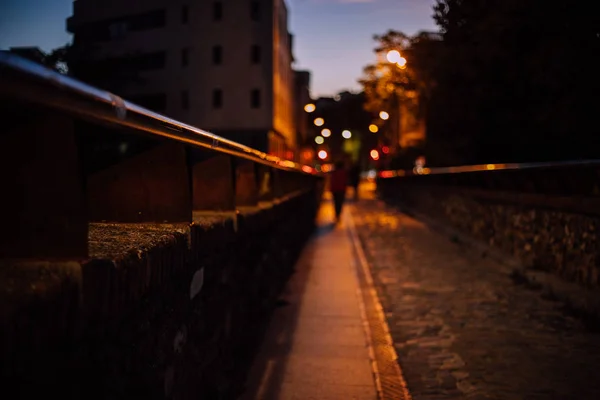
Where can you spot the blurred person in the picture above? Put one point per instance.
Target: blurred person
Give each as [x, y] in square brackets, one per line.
[337, 185]
[354, 175]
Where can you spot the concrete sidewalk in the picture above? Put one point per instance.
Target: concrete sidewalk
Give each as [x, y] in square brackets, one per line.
[316, 345]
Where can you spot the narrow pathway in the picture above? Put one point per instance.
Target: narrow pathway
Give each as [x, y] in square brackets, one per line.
[316, 346]
[461, 327]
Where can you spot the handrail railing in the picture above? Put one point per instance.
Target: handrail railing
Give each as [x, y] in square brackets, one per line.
[42, 86]
[572, 186]
[72, 155]
[485, 167]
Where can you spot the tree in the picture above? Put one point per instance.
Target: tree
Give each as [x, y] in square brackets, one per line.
[402, 90]
[518, 78]
[381, 79]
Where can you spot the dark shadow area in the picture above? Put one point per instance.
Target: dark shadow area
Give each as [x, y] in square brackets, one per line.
[266, 376]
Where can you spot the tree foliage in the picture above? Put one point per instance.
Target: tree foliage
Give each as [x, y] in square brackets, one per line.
[381, 79]
[519, 80]
[387, 86]
[511, 81]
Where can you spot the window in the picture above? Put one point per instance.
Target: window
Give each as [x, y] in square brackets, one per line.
[255, 98]
[255, 11]
[184, 14]
[185, 57]
[217, 98]
[255, 54]
[185, 100]
[217, 55]
[217, 11]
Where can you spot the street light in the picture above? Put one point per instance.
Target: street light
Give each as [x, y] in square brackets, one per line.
[384, 116]
[346, 134]
[373, 128]
[319, 121]
[393, 56]
[325, 132]
[374, 155]
[319, 140]
[322, 154]
[310, 108]
[401, 63]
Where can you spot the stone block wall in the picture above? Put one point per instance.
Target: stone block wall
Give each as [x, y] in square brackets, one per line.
[562, 243]
[157, 312]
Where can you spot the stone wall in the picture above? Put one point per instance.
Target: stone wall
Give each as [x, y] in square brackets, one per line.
[158, 311]
[562, 243]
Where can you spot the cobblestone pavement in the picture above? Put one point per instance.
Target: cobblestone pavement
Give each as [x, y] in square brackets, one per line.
[462, 328]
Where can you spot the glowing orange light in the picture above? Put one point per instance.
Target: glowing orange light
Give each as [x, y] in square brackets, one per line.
[374, 154]
[373, 128]
[385, 149]
[307, 169]
[387, 174]
[322, 154]
[310, 108]
[287, 163]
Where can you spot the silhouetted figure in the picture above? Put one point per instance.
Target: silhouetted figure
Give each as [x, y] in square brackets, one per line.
[355, 179]
[337, 185]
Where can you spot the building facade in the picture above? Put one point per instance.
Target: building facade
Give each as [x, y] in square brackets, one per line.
[302, 93]
[222, 66]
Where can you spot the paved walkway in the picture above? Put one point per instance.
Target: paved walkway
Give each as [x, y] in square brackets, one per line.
[462, 328]
[316, 346]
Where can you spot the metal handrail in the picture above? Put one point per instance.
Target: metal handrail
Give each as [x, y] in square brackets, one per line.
[484, 167]
[34, 83]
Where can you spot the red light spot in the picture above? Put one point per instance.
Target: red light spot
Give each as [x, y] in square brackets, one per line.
[385, 149]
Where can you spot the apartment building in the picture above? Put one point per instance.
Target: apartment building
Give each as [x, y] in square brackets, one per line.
[223, 66]
[302, 88]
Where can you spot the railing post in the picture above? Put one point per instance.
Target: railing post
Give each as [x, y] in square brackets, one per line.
[43, 213]
[264, 179]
